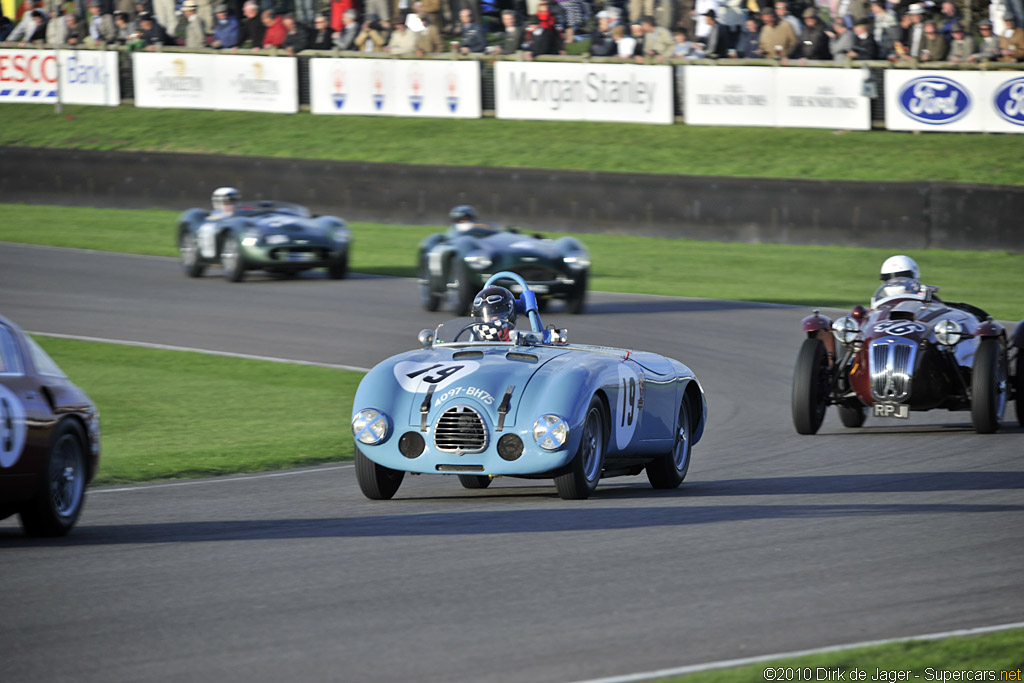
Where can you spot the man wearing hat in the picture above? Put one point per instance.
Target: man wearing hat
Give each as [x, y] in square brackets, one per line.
[1011, 43]
[152, 33]
[602, 44]
[101, 26]
[227, 32]
[701, 29]
[864, 47]
[195, 29]
[962, 46]
[813, 41]
[914, 34]
[715, 41]
[777, 38]
[988, 45]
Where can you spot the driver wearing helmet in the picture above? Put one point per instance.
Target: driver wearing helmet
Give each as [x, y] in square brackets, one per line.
[463, 217]
[224, 200]
[494, 308]
[901, 277]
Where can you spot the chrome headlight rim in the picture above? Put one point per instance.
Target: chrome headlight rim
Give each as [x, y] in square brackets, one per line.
[478, 260]
[577, 260]
[341, 236]
[948, 332]
[276, 239]
[251, 238]
[845, 330]
[370, 426]
[550, 431]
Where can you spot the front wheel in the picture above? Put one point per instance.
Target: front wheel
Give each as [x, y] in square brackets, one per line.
[585, 469]
[431, 299]
[1019, 379]
[231, 259]
[990, 386]
[376, 481]
[668, 471]
[339, 269]
[56, 507]
[810, 387]
[189, 250]
[577, 298]
[464, 291]
[474, 481]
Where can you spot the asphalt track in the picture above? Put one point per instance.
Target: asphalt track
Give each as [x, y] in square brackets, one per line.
[775, 542]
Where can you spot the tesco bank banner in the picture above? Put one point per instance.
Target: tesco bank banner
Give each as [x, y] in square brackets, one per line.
[86, 76]
[797, 97]
[955, 101]
[395, 87]
[632, 93]
[205, 81]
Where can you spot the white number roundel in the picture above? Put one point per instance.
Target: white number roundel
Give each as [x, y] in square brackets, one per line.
[899, 328]
[419, 375]
[12, 427]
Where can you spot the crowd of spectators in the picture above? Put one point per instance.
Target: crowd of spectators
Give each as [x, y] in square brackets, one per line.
[642, 30]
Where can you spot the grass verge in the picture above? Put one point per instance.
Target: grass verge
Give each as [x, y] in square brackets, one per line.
[878, 156]
[799, 275]
[179, 414]
[933, 660]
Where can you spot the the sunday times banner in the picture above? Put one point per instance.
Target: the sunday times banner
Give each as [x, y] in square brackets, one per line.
[729, 95]
[634, 93]
[205, 81]
[395, 87]
[87, 76]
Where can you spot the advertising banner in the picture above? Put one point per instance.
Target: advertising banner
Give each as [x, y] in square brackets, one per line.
[952, 101]
[205, 81]
[1005, 101]
[793, 97]
[633, 93]
[395, 87]
[89, 77]
[28, 76]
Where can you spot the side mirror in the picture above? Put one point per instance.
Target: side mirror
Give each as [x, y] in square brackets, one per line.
[426, 338]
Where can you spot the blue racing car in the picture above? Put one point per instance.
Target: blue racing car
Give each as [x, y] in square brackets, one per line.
[482, 399]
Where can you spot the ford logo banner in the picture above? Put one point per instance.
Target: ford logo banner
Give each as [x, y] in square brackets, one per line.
[1009, 101]
[935, 100]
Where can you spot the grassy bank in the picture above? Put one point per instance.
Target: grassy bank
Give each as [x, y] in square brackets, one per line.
[176, 414]
[678, 149]
[800, 275]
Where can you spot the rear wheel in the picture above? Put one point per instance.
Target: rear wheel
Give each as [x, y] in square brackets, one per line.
[474, 481]
[56, 507]
[231, 259]
[852, 416]
[376, 481]
[669, 470]
[585, 469]
[810, 387]
[431, 299]
[990, 386]
[577, 298]
[189, 250]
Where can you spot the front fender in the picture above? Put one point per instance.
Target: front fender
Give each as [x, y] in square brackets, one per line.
[990, 328]
[1018, 335]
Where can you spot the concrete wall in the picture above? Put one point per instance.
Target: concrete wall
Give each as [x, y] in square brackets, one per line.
[891, 215]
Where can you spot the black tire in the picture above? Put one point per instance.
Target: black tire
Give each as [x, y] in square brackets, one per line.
[989, 386]
[61, 496]
[189, 251]
[231, 259]
[542, 304]
[339, 269]
[583, 473]
[810, 387]
[431, 299]
[852, 416]
[474, 481]
[376, 481]
[668, 471]
[464, 293]
[1019, 378]
[578, 298]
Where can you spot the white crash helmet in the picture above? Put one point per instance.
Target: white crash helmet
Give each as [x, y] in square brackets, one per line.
[223, 196]
[899, 266]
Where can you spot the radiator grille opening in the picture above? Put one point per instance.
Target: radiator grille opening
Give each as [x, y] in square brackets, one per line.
[460, 429]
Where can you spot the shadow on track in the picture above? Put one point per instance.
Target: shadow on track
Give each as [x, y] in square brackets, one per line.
[904, 482]
[668, 306]
[476, 523]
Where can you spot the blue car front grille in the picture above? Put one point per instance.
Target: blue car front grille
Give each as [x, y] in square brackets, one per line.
[460, 429]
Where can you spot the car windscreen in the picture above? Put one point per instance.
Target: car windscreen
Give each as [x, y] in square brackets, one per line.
[899, 287]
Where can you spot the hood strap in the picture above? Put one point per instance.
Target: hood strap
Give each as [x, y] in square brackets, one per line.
[504, 406]
[425, 407]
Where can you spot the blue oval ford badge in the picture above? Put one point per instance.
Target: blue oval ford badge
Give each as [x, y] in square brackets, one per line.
[935, 100]
[1009, 101]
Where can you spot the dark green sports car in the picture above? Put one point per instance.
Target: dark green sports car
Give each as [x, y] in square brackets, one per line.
[277, 237]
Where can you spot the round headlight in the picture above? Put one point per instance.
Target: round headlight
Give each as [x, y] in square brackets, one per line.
[370, 426]
[478, 260]
[948, 332]
[278, 238]
[550, 432]
[577, 260]
[250, 238]
[845, 330]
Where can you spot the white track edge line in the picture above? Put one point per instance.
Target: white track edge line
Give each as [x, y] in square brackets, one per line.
[227, 354]
[729, 663]
[219, 480]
